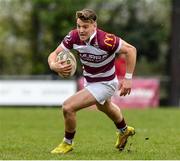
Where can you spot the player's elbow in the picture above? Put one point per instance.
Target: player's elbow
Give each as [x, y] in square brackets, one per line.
[133, 50]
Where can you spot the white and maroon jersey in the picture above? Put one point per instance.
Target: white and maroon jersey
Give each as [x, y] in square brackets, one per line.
[97, 55]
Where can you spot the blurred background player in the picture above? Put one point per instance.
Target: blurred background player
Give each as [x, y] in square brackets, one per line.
[120, 66]
[97, 51]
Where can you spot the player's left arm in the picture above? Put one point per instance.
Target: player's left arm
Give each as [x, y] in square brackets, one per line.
[130, 54]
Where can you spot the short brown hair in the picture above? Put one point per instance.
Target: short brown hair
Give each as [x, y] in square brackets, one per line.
[86, 15]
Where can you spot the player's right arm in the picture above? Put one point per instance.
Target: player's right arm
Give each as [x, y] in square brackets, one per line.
[58, 66]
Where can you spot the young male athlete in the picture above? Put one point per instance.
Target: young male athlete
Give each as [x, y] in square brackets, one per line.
[97, 50]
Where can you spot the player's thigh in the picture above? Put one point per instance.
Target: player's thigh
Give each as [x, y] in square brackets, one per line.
[105, 106]
[81, 99]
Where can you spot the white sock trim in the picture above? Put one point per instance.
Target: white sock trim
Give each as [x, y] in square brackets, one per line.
[69, 141]
[122, 130]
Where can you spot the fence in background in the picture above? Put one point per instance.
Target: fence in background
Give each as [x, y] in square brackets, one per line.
[35, 90]
[50, 90]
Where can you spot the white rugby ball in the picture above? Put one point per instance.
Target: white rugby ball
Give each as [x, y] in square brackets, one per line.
[70, 59]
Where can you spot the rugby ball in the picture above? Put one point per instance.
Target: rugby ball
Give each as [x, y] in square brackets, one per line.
[70, 59]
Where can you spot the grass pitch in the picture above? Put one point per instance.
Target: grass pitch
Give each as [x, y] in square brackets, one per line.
[31, 133]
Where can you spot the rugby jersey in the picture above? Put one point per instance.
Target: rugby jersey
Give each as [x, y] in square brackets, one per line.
[97, 55]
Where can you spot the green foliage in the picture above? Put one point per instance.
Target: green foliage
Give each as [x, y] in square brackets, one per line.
[31, 133]
[30, 30]
[15, 47]
[51, 21]
[143, 23]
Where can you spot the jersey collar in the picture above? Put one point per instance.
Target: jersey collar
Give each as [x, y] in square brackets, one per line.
[92, 36]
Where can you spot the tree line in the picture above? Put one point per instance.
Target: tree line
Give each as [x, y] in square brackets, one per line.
[30, 30]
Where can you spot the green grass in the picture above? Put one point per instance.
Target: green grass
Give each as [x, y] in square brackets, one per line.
[31, 133]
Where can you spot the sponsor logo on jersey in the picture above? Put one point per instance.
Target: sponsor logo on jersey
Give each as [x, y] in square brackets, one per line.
[92, 57]
[110, 40]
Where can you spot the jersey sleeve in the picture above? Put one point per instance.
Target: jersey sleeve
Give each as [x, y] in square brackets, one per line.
[67, 43]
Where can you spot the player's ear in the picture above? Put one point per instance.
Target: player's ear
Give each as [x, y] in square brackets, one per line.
[95, 24]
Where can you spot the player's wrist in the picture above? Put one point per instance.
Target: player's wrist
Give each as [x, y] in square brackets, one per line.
[128, 76]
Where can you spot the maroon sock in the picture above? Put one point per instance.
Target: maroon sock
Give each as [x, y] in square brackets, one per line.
[69, 135]
[121, 125]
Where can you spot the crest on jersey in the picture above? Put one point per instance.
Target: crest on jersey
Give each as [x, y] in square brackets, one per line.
[96, 44]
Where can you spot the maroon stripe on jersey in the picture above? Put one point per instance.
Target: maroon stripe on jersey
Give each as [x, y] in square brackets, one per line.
[100, 79]
[102, 69]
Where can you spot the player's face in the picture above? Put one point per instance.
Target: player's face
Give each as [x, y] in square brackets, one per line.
[85, 29]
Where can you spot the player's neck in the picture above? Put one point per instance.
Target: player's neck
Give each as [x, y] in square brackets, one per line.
[91, 37]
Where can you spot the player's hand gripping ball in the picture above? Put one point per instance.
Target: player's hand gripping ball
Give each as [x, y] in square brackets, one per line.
[69, 59]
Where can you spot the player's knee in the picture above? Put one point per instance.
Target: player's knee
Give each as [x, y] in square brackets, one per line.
[105, 107]
[67, 108]
[100, 108]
